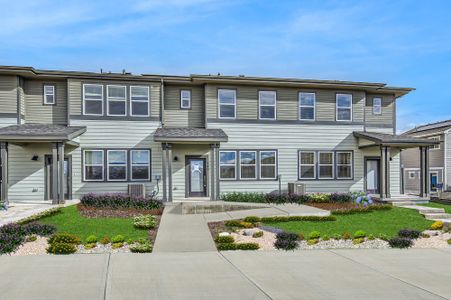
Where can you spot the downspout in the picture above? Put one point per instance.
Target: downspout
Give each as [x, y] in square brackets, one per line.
[445, 143]
[162, 102]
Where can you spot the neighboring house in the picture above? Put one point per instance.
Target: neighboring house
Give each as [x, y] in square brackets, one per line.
[439, 159]
[64, 134]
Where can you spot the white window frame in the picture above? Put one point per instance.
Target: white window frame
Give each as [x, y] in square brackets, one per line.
[377, 108]
[310, 165]
[182, 98]
[260, 105]
[234, 104]
[84, 98]
[343, 107]
[139, 101]
[111, 99]
[93, 165]
[120, 165]
[227, 165]
[248, 165]
[139, 165]
[327, 165]
[351, 164]
[307, 106]
[435, 147]
[45, 94]
[262, 164]
[412, 173]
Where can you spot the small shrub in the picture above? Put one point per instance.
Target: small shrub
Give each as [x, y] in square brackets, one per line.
[252, 219]
[257, 234]
[117, 245]
[31, 238]
[357, 241]
[409, 233]
[141, 247]
[10, 242]
[371, 237]
[224, 239]
[120, 200]
[336, 236]
[46, 213]
[226, 246]
[312, 242]
[64, 238]
[246, 225]
[243, 197]
[145, 222]
[233, 223]
[325, 237]
[61, 248]
[400, 242]
[118, 239]
[301, 237]
[449, 242]
[298, 218]
[425, 235]
[39, 229]
[314, 235]
[359, 234]
[286, 241]
[346, 236]
[383, 237]
[437, 225]
[340, 197]
[247, 246]
[361, 209]
[90, 246]
[319, 198]
[105, 240]
[92, 239]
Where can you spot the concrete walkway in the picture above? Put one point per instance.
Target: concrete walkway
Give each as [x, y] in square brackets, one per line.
[431, 213]
[180, 232]
[307, 274]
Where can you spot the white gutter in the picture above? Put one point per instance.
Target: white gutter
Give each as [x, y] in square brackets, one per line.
[445, 154]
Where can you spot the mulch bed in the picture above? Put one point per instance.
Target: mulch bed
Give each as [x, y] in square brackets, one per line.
[333, 206]
[216, 228]
[153, 232]
[95, 212]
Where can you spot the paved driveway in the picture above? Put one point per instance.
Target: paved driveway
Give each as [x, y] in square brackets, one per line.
[314, 274]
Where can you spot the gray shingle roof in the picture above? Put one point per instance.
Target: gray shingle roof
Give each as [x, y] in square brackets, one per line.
[190, 134]
[387, 139]
[439, 126]
[40, 132]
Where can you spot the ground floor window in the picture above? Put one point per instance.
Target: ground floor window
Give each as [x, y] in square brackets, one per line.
[250, 164]
[116, 165]
[325, 164]
[344, 165]
[227, 164]
[268, 164]
[307, 165]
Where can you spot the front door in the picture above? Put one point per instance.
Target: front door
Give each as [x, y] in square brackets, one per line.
[372, 175]
[434, 181]
[197, 177]
[49, 181]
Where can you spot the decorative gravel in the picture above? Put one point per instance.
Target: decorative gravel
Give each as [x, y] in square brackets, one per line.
[266, 242]
[344, 244]
[100, 248]
[437, 240]
[37, 247]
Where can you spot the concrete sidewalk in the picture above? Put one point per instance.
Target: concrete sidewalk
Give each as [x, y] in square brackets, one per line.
[308, 274]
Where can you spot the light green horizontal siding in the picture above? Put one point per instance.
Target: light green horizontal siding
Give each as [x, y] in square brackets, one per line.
[388, 110]
[174, 116]
[8, 94]
[36, 111]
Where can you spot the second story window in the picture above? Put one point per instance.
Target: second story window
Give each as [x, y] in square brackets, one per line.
[377, 106]
[93, 99]
[437, 146]
[185, 99]
[307, 106]
[49, 94]
[117, 99]
[227, 104]
[267, 104]
[344, 107]
[139, 101]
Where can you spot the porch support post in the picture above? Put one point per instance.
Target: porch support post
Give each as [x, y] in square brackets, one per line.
[54, 173]
[426, 172]
[217, 158]
[212, 173]
[385, 172]
[382, 172]
[60, 173]
[4, 176]
[163, 175]
[169, 151]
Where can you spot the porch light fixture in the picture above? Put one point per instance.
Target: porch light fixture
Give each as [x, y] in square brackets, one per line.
[35, 158]
[176, 158]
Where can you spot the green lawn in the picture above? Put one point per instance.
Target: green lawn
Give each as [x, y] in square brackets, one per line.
[387, 222]
[69, 220]
[438, 205]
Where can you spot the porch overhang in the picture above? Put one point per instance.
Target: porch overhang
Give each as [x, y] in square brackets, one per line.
[190, 135]
[371, 139]
[38, 133]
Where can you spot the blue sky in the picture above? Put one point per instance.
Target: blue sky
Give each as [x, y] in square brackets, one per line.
[402, 43]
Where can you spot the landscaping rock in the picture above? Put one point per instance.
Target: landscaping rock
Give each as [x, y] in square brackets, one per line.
[38, 247]
[432, 232]
[250, 232]
[224, 233]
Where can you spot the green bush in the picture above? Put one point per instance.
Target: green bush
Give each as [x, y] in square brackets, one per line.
[314, 235]
[336, 236]
[409, 233]
[437, 225]
[105, 240]
[92, 239]
[90, 246]
[359, 234]
[312, 242]
[449, 242]
[383, 236]
[117, 245]
[425, 235]
[46, 213]
[319, 198]
[31, 238]
[224, 239]
[325, 237]
[357, 241]
[238, 223]
[346, 236]
[252, 219]
[145, 222]
[371, 237]
[286, 241]
[243, 197]
[301, 236]
[257, 234]
[298, 218]
[64, 238]
[141, 247]
[362, 209]
[400, 242]
[118, 239]
[61, 248]
[130, 241]
[226, 246]
[247, 246]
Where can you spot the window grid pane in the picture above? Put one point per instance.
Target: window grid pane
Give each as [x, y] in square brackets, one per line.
[93, 165]
[248, 164]
[268, 163]
[326, 165]
[344, 107]
[49, 94]
[227, 103]
[185, 99]
[307, 165]
[344, 165]
[377, 106]
[140, 164]
[117, 165]
[139, 101]
[267, 103]
[227, 164]
[93, 99]
[116, 98]
[307, 106]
